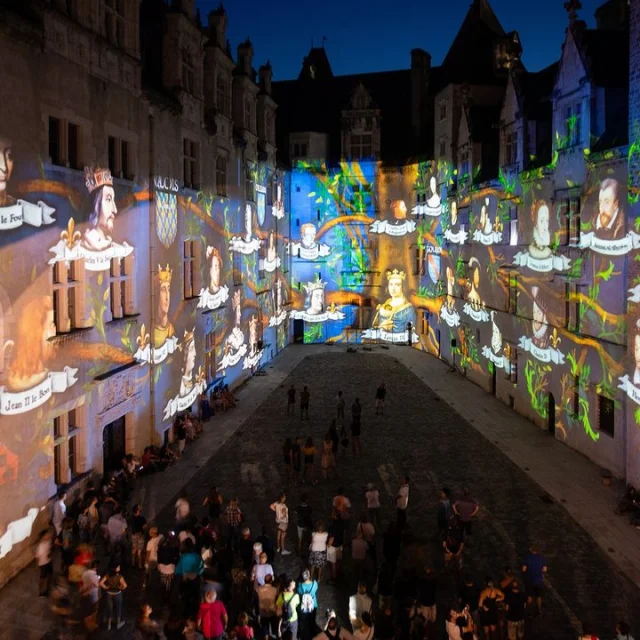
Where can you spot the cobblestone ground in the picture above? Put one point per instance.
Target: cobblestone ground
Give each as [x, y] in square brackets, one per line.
[424, 437]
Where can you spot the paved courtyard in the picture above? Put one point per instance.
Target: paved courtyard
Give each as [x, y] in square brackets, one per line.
[420, 434]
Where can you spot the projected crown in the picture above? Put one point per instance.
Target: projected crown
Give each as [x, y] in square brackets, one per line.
[164, 275]
[96, 178]
[313, 286]
[396, 274]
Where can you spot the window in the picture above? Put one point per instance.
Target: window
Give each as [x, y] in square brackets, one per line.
[361, 145]
[443, 111]
[221, 176]
[237, 269]
[210, 355]
[64, 143]
[114, 21]
[573, 219]
[68, 295]
[606, 415]
[510, 147]
[68, 445]
[573, 124]
[222, 94]
[513, 226]
[121, 287]
[572, 306]
[464, 163]
[249, 183]
[190, 164]
[443, 147]
[191, 270]
[120, 157]
[248, 114]
[418, 267]
[513, 293]
[188, 73]
[300, 150]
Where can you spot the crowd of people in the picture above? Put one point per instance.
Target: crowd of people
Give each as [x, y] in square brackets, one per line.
[210, 575]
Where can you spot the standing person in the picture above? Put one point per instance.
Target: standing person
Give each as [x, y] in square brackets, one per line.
[138, 528]
[287, 455]
[261, 571]
[243, 631]
[318, 551]
[356, 446]
[372, 496]
[305, 396]
[147, 628]
[304, 521]
[466, 508]
[267, 594]
[189, 569]
[359, 604]
[308, 592]
[43, 558]
[453, 549]
[114, 584]
[444, 512]
[428, 595]
[340, 407]
[309, 452]
[623, 631]
[356, 411]
[359, 551]
[151, 553]
[117, 529]
[214, 502]
[381, 394]
[181, 435]
[488, 607]
[516, 604]
[402, 502]
[342, 506]
[183, 509]
[282, 522]
[296, 459]
[335, 438]
[59, 511]
[233, 519]
[212, 616]
[90, 592]
[291, 400]
[287, 608]
[534, 568]
[344, 441]
[328, 462]
[334, 545]
[366, 629]
[369, 534]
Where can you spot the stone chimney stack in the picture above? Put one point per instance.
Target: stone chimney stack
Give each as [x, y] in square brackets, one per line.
[245, 58]
[265, 74]
[218, 26]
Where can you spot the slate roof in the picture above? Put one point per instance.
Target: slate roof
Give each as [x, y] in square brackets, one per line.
[607, 56]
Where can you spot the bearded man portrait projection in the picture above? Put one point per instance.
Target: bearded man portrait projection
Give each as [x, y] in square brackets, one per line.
[609, 216]
[102, 209]
[396, 311]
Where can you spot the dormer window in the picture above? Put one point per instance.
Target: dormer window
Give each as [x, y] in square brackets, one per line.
[573, 124]
[510, 147]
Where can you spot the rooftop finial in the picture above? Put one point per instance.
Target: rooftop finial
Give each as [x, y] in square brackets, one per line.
[572, 7]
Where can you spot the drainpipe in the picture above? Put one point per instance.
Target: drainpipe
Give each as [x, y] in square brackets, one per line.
[152, 289]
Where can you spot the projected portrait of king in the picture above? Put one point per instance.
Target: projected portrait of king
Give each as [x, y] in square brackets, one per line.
[394, 314]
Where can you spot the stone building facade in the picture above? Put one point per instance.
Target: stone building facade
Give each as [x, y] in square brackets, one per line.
[142, 233]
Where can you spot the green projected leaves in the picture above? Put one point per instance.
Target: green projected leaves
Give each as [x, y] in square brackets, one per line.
[535, 374]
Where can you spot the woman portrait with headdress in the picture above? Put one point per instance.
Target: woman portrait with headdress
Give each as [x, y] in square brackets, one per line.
[396, 311]
[102, 209]
[188, 348]
[539, 323]
[540, 247]
[6, 169]
[473, 296]
[215, 269]
[236, 337]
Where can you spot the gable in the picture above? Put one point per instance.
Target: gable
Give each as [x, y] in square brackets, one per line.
[463, 129]
[510, 105]
[572, 69]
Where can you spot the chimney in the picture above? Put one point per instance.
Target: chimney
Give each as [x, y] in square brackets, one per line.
[265, 73]
[420, 59]
[218, 26]
[245, 58]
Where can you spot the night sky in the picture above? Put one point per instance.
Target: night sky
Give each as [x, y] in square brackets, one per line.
[377, 35]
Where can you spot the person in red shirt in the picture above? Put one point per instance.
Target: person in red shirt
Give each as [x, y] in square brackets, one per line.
[243, 631]
[212, 616]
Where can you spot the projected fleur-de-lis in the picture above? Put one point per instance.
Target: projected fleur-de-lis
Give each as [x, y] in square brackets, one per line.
[555, 339]
[332, 308]
[143, 339]
[200, 378]
[70, 235]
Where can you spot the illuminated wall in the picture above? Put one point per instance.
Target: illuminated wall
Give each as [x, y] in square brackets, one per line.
[523, 282]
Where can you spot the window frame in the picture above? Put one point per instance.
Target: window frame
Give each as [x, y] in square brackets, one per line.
[115, 22]
[68, 295]
[191, 163]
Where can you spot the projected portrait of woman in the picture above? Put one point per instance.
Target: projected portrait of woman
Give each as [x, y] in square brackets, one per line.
[539, 324]
[271, 247]
[394, 314]
[102, 209]
[188, 348]
[540, 247]
[473, 297]
[6, 169]
[433, 206]
[215, 269]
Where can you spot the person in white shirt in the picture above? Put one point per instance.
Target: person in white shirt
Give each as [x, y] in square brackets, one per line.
[43, 558]
[373, 503]
[402, 502]
[182, 509]
[358, 604]
[332, 630]
[282, 521]
[261, 571]
[59, 511]
[152, 549]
